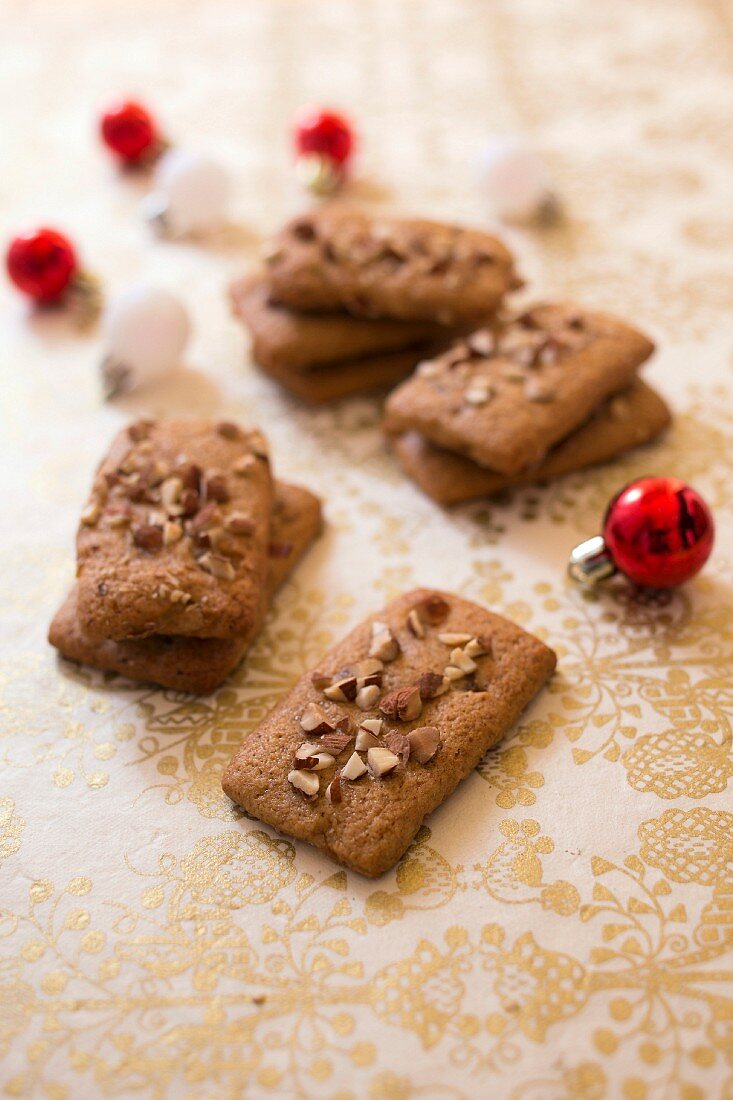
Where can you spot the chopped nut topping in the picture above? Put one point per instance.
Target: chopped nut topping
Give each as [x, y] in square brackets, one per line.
[179, 596]
[454, 639]
[366, 671]
[399, 745]
[244, 465]
[433, 610]
[305, 781]
[228, 430]
[189, 502]
[147, 537]
[461, 660]
[324, 760]
[218, 566]
[156, 473]
[190, 474]
[537, 390]
[119, 518]
[432, 684]
[366, 740]
[335, 743]
[170, 492]
[91, 514]
[404, 704]
[207, 517]
[217, 538]
[429, 368]
[309, 760]
[371, 725]
[367, 697]
[315, 720]
[482, 342]
[453, 673]
[354, 768]
[424, 743]
[478, 647]
[239, 524]
[415, 624]
[333, 790]
[549, 353]
[172, 532]
[384, 645]
[216, 489]
[381, 761]
[344, 691]
[478, 393]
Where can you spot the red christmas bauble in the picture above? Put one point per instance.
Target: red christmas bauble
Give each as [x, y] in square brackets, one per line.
[324, 132]
[129, 130]
[42, 264]
[658, 531]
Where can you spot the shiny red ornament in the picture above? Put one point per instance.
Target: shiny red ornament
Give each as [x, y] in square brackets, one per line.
[130, 131]
[658, 531]
[42, 264]
[323, 132]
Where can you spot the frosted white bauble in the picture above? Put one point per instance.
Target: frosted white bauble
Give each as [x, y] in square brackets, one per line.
[145, 330]
[515, 179]
[191, 194]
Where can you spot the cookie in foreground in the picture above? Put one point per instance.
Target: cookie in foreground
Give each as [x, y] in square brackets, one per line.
[361, 750]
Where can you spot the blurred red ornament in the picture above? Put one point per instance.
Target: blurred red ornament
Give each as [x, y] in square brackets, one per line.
[324, 142]
[130, 131]
[42, 264]
[658, 531]
[325, 132]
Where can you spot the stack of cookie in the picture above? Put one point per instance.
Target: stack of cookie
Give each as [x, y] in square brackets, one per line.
[349, 303]
[184, 541]
[549, 391]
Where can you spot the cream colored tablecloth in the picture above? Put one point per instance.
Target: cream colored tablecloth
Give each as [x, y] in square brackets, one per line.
[559, 929]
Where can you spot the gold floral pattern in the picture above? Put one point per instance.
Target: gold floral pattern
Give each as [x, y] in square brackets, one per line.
[562, 929]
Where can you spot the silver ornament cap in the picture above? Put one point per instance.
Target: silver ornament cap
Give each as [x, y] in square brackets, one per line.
[590, 562]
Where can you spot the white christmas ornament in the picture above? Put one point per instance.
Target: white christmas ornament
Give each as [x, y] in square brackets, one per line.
[515, 177]
[191, 194]
[145, 331]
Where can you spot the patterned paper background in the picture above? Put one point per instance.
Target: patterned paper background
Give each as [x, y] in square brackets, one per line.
[561, 929]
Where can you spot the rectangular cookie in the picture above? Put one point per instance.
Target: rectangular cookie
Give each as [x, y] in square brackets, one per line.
[445, 678]
[174, 537]
[337, 258]
[503, 398]
[633, 417]
[332, 383]
[197, 665]
[284, 341]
